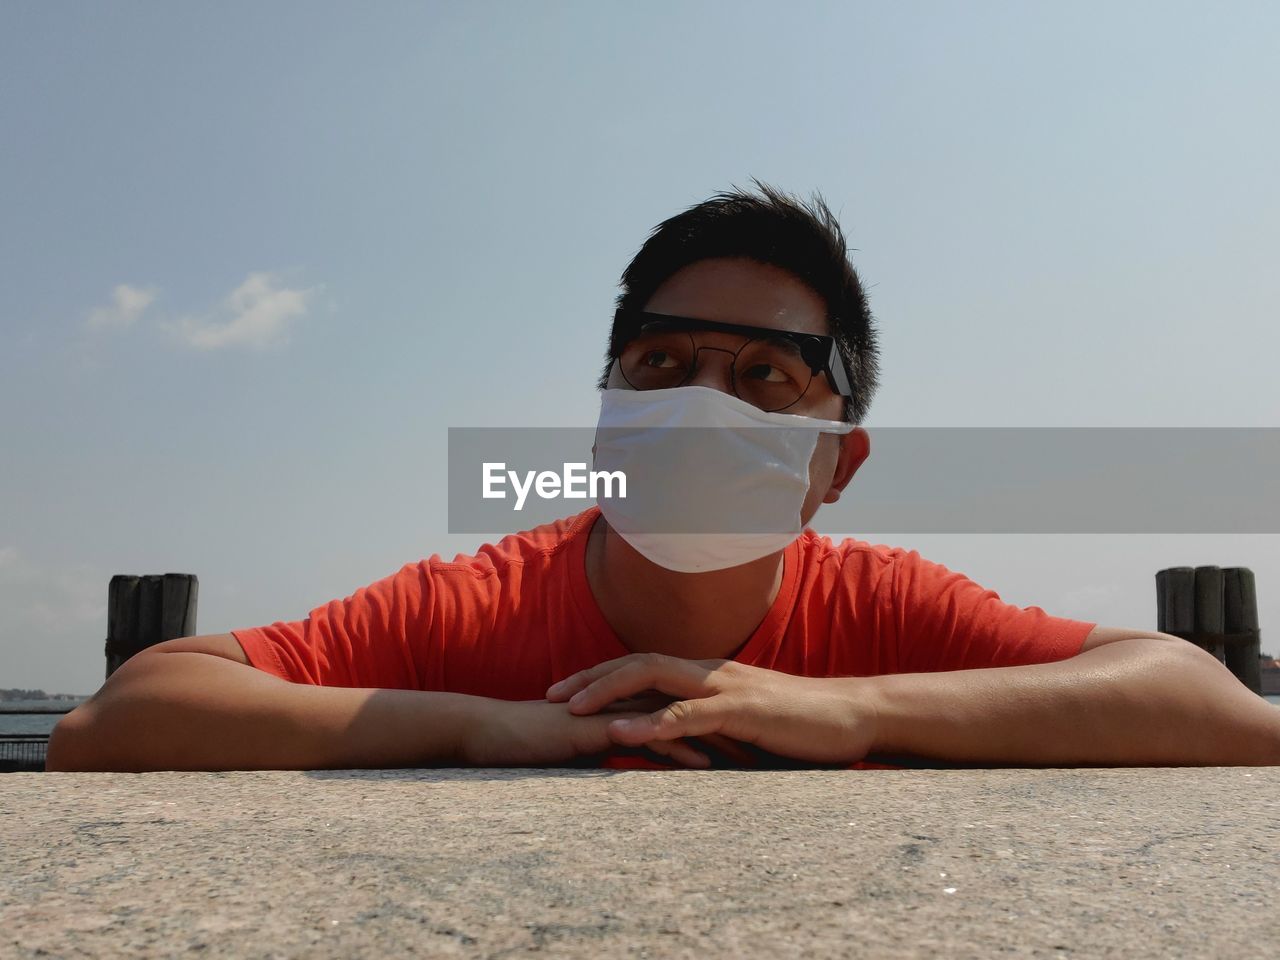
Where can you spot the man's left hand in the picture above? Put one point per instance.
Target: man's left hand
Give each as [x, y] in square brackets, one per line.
[818, 719]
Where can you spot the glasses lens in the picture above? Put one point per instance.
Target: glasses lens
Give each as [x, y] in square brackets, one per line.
[659, 357]
[771, 373]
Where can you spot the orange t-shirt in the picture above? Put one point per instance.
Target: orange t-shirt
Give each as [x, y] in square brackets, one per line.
[518, 616]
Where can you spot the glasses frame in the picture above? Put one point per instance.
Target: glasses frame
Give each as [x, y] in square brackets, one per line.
[818, 350]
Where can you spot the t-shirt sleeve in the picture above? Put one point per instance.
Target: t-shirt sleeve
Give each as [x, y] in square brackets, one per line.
[365, 640]
[945, 621]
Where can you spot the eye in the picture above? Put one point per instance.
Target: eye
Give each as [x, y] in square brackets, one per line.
[659, 359]
[766, 372]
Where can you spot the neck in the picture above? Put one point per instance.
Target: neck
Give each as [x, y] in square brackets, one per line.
[656, 610]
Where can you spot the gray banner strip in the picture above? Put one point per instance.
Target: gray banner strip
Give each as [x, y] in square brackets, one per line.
[943, 480]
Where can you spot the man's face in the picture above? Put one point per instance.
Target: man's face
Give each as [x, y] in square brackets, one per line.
[754, 294]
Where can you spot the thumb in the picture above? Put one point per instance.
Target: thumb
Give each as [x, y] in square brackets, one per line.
[592, 733]
[683, 718]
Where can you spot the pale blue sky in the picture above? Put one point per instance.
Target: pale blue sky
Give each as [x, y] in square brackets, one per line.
[256, 258]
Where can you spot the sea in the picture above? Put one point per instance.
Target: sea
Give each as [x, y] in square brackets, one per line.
[32, 723]
[43, 723]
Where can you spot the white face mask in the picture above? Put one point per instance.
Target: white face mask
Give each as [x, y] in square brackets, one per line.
[723, 494]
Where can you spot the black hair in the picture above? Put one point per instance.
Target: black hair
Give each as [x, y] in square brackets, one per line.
[780, 230]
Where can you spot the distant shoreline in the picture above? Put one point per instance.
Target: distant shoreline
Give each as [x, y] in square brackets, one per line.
[14, 693]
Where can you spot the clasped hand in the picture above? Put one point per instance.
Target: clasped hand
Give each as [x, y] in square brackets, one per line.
[738, 710]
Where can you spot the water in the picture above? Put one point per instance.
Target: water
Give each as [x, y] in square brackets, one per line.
[32, 722]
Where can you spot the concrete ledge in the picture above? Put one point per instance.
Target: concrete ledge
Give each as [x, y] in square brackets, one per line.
[590, 863]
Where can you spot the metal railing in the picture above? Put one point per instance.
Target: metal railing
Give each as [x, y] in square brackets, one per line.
[23, 752]
[26, 752]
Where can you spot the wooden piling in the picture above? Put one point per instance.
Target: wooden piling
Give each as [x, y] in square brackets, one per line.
[1240, 605]
[1216, 609]
[1208, 610]
[1176, 600]
[143, 611]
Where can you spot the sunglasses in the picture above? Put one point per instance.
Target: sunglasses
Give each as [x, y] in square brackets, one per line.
[772, 369]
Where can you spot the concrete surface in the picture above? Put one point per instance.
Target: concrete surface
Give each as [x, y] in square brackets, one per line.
[592, 863]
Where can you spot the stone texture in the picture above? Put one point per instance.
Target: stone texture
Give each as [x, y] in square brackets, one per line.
[589, 863]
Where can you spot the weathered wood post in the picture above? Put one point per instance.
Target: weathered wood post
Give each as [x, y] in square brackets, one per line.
[1216, 609]
[143, 611]
[1240, 602]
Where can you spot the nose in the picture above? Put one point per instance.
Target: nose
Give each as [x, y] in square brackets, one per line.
[712, 367]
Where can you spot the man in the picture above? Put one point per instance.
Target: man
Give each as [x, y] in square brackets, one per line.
[616, 637]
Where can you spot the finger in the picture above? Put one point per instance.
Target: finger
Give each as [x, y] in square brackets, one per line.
[564, 689]
[679, 751]
[669, 675]
[590, 735]
[638, 705]
[591, 739]
[683, 718]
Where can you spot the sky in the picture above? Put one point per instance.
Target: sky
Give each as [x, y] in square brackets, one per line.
[255, 259]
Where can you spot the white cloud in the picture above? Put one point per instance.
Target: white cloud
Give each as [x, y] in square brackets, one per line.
[127, 305]
[255, 314]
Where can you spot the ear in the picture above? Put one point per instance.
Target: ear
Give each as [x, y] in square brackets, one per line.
[855, 447]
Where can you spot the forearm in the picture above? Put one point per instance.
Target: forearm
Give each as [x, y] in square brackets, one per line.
[194, 711]
[1140, 702]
